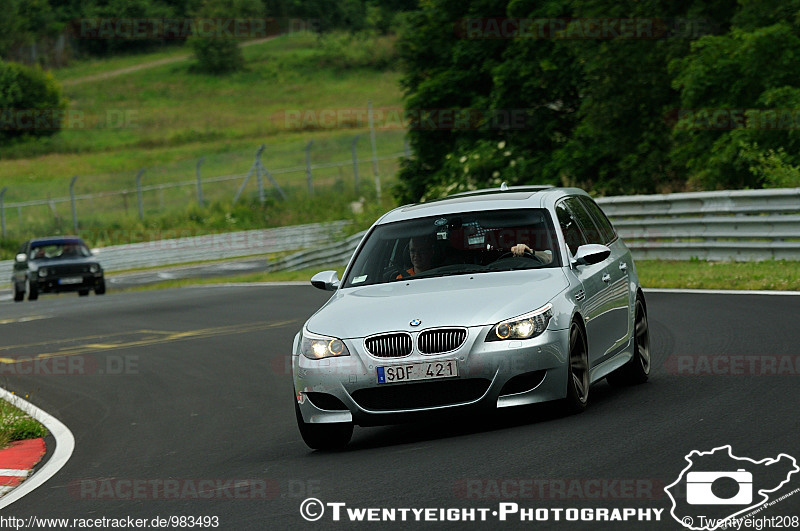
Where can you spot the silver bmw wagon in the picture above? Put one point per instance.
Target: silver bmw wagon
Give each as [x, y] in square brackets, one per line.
[490, 299]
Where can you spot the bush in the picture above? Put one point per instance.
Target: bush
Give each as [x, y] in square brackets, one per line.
[219, 55]
[356, 50]
[30, 102]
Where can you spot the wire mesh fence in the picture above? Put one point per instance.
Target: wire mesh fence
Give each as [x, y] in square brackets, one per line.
[287, 171]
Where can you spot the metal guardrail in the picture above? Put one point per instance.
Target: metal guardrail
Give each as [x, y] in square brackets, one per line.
[740, 225]
[332, 255]
[208, 247]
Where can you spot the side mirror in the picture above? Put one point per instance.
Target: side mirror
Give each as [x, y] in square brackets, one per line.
[327, 280]
[591, 254]
[21, 257]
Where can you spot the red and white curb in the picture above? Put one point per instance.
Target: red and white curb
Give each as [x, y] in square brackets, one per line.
[65, 444]
[17, 461]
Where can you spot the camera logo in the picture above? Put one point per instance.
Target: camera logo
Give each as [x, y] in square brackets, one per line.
[699, 488]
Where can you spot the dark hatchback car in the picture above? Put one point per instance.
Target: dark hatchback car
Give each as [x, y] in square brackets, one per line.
[55, 265]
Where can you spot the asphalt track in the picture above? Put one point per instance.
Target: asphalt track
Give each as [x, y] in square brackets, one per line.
[192, 385]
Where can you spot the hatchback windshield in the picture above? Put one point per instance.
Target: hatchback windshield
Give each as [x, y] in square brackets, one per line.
[59, 250]
[455, 244]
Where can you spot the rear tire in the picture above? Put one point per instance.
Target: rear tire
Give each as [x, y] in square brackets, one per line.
[637, 370]
[83, 293]
[33, 291]
[332, 436]
[577, 372]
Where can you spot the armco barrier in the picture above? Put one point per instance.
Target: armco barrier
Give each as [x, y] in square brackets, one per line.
[740, 225]
[208, 247]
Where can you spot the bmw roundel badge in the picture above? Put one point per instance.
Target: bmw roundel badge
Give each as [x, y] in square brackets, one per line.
[415, 322]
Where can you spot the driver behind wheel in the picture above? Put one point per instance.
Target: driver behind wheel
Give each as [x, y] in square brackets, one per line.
[543, 256]
[420, 250]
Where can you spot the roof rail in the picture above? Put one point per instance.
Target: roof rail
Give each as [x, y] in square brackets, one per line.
[505, 188]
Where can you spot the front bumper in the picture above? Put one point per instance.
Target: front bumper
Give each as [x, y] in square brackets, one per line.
[490, 375]
[55, 284]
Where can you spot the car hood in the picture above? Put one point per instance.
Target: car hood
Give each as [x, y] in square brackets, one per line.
[53, 262]
[462, 300]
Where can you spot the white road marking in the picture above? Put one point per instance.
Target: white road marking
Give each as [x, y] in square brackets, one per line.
[65, 444]
[13, 472]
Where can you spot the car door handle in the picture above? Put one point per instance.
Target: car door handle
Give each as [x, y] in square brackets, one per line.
[623, 266]
[606, 278]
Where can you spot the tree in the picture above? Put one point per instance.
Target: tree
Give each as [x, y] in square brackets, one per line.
[219, 54]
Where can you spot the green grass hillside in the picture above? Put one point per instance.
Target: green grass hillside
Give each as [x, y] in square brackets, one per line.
[166, 117]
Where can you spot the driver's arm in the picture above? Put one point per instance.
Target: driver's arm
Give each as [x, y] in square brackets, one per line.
[520, 249]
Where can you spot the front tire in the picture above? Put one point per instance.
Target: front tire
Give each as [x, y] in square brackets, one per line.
[577, 372]
[100, 288]
[331, 436]
[33, 291]
[19, 294]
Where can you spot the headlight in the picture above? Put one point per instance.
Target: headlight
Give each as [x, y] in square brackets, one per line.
[43, 272]
[94, 268]
[316, 347]
[523, 327]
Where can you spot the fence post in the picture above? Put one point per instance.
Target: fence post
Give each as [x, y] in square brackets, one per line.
[199, 182]
[355, 161]
[247, 178]
[139, 193]
[407, 148]
[374, 152]
[258, 174]
[72, 201]
[308, 168]
[271, 179]
[3, 211]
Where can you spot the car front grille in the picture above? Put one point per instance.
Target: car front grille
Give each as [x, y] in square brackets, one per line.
[394, 345]
[68, 270]
[421, 395]
[441, 340]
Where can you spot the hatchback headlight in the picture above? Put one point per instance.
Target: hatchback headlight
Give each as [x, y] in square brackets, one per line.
[523, 327]
[94, 268]
[316, 347]
[43, 272]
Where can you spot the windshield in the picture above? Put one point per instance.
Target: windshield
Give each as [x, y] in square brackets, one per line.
[59, 250]
[455, 244]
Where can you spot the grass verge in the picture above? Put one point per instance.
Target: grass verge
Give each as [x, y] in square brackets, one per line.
[303, 275]
[780, 275]
[16, 425]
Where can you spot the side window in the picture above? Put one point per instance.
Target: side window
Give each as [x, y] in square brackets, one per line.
[600, 218]
[593, 234]
[572, 232]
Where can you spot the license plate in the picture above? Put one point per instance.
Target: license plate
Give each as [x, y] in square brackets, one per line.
[71, 280]
[417, 371]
